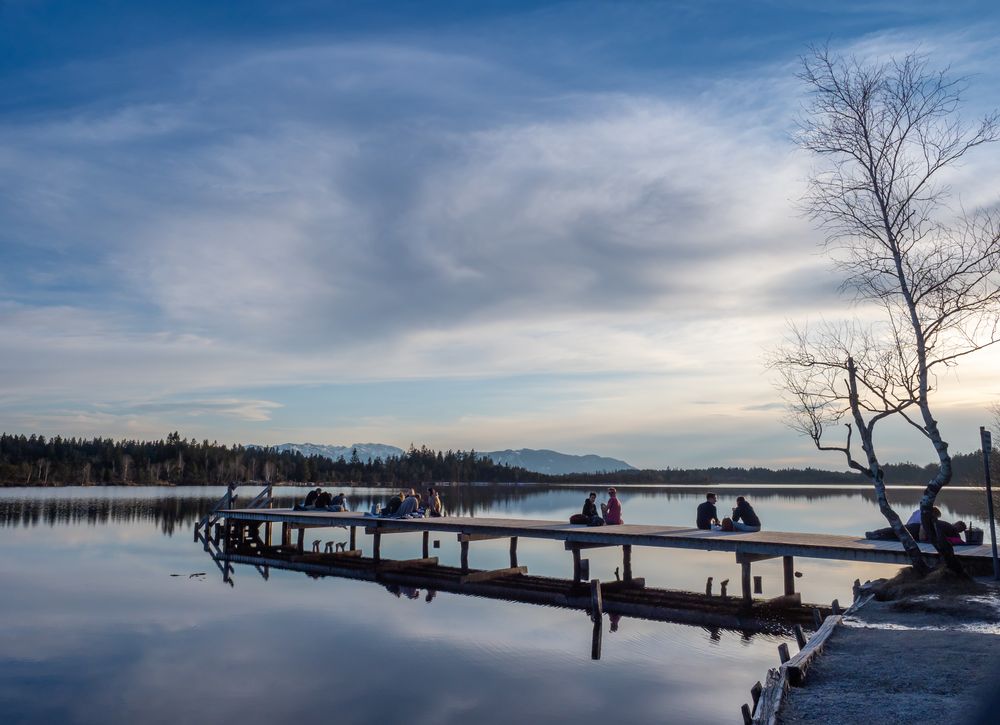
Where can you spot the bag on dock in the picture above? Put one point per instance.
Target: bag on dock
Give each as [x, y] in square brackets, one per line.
[579, 519]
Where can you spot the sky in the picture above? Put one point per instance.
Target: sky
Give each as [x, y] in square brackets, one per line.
[464, 225]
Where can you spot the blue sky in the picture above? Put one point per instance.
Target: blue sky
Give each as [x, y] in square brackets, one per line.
[489, 225]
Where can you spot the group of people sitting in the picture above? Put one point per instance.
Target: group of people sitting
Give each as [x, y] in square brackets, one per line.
[950, 532]
[611, 510]
[318, 499]
[410, 505]
[744, 518]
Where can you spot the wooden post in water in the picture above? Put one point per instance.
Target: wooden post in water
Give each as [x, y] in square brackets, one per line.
[354, 540]
[301, 540]
[627, 562]
[577, 576]
[758, 585]
[722, 588]
[747, 595]
[465, 556]
[835, 606]
[513, 551]
[817, 618]
[788, 564]
[427, 545]
[783, 653]
[800, 636]
[596, 602]
[595, 641]
[708, 587]
[377, 546]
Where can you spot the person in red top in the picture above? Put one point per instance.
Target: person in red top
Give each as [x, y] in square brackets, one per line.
[612, 509]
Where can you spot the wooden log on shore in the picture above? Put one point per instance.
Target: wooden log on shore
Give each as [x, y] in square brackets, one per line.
[771, 697]
[798, 664]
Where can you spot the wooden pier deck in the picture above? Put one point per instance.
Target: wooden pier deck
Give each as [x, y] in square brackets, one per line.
[767, 544]
[243, 525]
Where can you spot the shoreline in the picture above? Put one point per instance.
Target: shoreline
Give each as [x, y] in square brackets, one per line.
[926, 658]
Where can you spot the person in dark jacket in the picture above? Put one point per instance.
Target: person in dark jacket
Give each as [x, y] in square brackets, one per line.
[311, 497]
[744, 517]
[590, 510]
[707, 515]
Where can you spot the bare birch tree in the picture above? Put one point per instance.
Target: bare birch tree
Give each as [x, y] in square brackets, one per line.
[924, 278]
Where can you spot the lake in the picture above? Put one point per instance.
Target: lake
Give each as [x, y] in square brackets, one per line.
[112, 614]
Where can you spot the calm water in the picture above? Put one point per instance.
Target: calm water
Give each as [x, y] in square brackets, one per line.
[98, 627]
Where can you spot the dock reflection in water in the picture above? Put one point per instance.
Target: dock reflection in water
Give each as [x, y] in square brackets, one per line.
[96, 630]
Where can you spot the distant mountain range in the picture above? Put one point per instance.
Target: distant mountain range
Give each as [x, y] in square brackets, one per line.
[555, 463]
[539, 461]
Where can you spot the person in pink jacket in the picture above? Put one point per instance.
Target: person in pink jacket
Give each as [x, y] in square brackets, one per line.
[613, 508]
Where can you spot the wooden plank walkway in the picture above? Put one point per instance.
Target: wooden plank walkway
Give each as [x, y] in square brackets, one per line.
[762, 544]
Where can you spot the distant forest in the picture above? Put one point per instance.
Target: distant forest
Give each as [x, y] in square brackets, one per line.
[39, 461]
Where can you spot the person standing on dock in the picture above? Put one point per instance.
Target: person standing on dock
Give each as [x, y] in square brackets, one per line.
[613, 508]
[707, 515]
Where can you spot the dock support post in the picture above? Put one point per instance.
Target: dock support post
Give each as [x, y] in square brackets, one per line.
[788, 564]
[595, 641]
[377, 546]
[577, 574]
[513, 551]
[286, 534]
[627, 562]
[596, 602]
[301, 543]
[354, 538]
[427, 544]
[747, 595]
[267, 534]
[465, 556]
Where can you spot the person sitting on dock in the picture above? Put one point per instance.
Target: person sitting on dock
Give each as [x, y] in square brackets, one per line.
[339, 502]
[613, 508]
[311, 497]
[707, 515]
[394, 503]
[744, 517]
[590, 510]
[408, 507]
[324, 499]
[433, 504]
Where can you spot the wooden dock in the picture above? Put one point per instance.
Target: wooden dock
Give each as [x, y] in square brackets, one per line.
[244, 524]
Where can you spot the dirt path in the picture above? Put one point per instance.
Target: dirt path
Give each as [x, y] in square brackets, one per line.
[876, 669]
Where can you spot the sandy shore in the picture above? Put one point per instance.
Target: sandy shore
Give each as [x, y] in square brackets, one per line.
[930, 659]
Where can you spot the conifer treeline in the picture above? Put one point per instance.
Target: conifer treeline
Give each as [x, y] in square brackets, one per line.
[39, 461]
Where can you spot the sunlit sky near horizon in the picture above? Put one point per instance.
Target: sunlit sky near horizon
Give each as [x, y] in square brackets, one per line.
[467, 225]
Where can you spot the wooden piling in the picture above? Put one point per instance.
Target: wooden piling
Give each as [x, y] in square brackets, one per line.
[596, 603]
[722, 588]
[788, 565]
[783, 653]
[758, 585]
[301, 543]
[835, 607]
[354, 541]
[465, 555]
[745, 711]
[800, 636]
[595, 641]
[708, 587]
[577, 575]
[426, 544]
[377, 546]
[627, 562]
[747, 595]
[513, 551]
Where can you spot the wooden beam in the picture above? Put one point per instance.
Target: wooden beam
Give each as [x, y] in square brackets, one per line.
[801, 662]
[388, 530]
[579, 545]
[771, 696]
[742, 558]
[479, 537]
[484, 576]
[389, 564]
